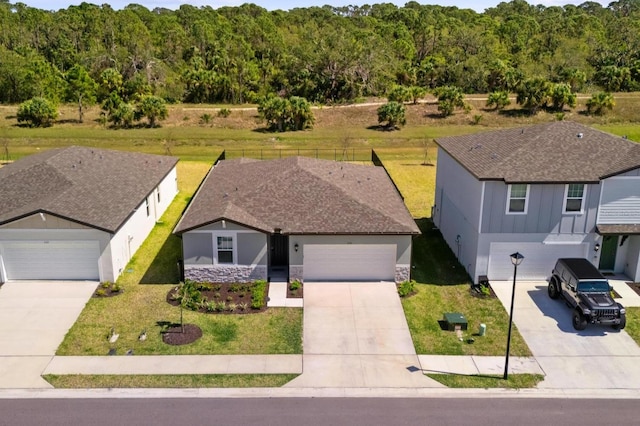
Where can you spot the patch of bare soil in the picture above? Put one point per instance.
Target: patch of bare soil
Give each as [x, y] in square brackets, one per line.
[482, 291]
[223, 298]
[175, 335]
[107, 289]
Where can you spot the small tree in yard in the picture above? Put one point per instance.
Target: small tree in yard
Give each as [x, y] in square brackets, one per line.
[81, 88]
[286, 114]
[449, 98]
[560, 95]
[533, 94]
[417, 93]
[153, 108]
[498, 99]
[399, 94]
[38, 112]
[600, 103]
[123, 115]
[393, 113]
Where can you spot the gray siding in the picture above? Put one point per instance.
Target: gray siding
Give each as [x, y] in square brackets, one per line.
[197, 248]
[635, 172]
[544, 213]
[50, 222]
[620, 202]
[632, 265]
[217, 226]
[252, 249]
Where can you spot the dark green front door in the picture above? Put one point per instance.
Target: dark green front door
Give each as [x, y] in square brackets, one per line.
[608, 252]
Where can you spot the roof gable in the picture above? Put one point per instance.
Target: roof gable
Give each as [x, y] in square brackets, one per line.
[300, 195]
[97, 187]
[554, 152]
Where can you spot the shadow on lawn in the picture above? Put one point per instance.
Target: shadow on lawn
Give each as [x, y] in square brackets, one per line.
[433, 260]
[164, 268]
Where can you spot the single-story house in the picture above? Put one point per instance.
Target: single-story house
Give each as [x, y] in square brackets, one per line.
[552, 190]
[296, 218]
[79, 213]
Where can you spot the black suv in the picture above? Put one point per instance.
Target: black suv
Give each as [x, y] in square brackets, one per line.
[587, 291]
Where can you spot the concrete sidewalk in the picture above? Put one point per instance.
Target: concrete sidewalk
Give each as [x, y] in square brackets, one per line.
[477, 365]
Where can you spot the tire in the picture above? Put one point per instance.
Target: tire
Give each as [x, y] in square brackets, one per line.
[623, 323]
[579, 321]
[552, 289]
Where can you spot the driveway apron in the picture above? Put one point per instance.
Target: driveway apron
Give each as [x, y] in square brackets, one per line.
[356, 335]
[34, 318]
[598, 357]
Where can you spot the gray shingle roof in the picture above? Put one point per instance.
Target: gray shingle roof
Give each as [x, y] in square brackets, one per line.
[626, 229]
[300, 196]
[556, 152]
[96, 187]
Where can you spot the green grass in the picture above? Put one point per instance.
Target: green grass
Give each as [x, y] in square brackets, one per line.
[142, 304]
[76, 381]
[633, 323]
[443, 286]
[514, 381]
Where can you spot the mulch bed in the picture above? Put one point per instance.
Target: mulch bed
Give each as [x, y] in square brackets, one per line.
[295, 294]
[635, 287]
[476, 291]
[107, 290]
[173, 335]
[222, 292]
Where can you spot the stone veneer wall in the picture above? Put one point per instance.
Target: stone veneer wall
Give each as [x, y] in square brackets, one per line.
[403, 273]
[295, 272]
[225, 273]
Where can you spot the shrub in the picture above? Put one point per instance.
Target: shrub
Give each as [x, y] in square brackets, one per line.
[449, 98]
[105, 284]
[600, 103]
[294, 285]
[498, 99]
[205, 118]
[101, 292]
[258, 294]
[37, 112]
[205, 286]
[406, 288]
[393, 114]
[116, 288]
[224, 112]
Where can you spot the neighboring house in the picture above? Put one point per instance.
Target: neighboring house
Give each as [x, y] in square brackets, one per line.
[296, 218]
[79, 213]
[551, 190]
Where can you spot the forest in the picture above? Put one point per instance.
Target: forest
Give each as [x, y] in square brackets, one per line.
[327, 55]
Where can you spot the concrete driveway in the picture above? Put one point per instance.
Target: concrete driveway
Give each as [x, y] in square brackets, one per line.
[34, 318]
[595, 358]
[356, 335]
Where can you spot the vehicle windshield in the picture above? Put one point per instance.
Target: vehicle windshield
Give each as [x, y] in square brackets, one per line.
[593, 286]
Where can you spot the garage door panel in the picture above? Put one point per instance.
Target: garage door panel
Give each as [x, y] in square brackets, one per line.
[51, 260]
[539, 259]
[349, 262]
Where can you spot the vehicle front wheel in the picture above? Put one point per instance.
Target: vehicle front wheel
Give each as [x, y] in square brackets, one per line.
[579, 321]
[553, 289]
[623, 323]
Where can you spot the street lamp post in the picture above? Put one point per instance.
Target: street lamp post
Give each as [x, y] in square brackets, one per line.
[516, 259]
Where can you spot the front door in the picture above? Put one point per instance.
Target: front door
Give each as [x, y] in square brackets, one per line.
[279, 251]
[608, 252]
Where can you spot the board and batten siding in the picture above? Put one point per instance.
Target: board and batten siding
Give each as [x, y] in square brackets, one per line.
[620, 201]
[544, 211]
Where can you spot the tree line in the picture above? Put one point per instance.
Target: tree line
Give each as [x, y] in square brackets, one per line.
[118, 58]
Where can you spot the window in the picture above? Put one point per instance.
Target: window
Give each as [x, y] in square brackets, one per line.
[146, 202]
[574, 198]
[518, 196]
[158, 195]
[225, 249]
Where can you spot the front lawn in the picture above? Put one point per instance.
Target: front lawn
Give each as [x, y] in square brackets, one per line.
[142, 305]
[515, 381]
[633, 323]
[76, 381]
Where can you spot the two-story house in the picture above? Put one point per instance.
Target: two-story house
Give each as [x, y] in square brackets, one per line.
[552, 190]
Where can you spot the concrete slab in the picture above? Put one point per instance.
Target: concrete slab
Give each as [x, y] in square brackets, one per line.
[34, 318]
[470, 365]
[595, 357]
[176, 364]
[23, 372]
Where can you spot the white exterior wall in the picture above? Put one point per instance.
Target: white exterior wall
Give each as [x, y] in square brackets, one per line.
[632, 264]
[68, 233]
[128, 239]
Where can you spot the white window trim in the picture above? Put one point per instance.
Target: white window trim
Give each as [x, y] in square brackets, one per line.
[214, 241]
[526, 201]
[564, 202]
[148, 206]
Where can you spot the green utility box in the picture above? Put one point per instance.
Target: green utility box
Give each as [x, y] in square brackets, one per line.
[453, 319]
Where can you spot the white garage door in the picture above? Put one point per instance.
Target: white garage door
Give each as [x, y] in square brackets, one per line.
[538, 262]
[50, 260]
[349, 262]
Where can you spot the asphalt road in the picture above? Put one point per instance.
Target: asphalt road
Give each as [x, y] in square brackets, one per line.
[320, 411]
